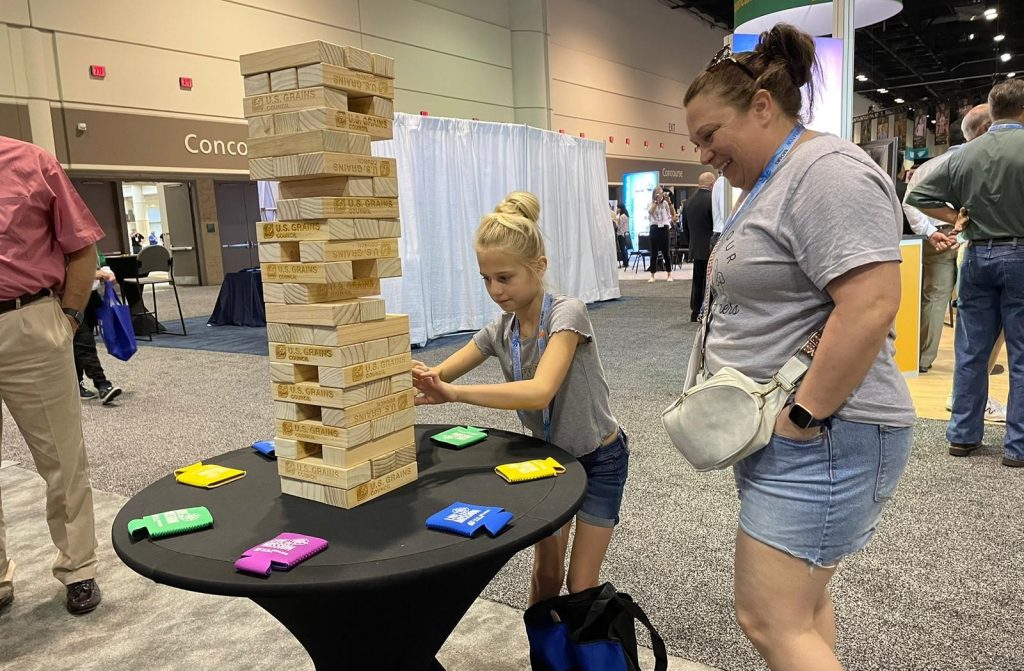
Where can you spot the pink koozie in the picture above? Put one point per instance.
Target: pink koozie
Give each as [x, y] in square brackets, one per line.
[281, 553]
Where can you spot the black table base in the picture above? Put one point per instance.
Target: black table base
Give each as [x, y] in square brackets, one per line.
[399, 627]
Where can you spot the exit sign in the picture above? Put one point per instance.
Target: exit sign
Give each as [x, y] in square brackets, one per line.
[97, 71]
[185, 83]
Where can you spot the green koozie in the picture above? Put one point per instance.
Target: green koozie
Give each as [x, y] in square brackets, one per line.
[460, 436]
[171, 523]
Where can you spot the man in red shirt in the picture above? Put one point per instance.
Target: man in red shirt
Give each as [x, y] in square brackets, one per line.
[47, 263]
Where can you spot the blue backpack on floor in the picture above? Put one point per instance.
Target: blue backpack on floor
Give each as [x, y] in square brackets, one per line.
[592, 630]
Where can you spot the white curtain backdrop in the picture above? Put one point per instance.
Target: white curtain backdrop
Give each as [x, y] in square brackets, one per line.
[451, 172]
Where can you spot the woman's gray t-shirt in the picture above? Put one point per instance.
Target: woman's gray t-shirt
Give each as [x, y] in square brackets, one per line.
[581, 416]
[828, 209]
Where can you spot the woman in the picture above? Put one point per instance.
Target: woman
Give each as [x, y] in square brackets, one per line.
[815, 241]
[661, 213]
[622, 234]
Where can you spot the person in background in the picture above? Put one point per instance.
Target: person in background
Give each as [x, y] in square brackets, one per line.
[622, 234]
[661, 214]
[136, 239]
[700, 219]
[152, 239]
[47, 264]
[986, 179]
[87, 360]
[815, 244]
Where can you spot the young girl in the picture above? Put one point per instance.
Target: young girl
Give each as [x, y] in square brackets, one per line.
[554, 378]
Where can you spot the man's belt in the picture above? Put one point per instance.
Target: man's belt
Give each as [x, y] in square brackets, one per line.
[996, 242]
[15, 303]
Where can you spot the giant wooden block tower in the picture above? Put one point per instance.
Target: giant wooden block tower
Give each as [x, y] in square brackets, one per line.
[340, 364]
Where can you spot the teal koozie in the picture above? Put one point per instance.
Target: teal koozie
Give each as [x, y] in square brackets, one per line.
[171, 523]
[460, 436]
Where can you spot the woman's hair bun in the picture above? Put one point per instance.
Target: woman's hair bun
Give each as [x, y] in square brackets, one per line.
[522, 204]
[790, 48]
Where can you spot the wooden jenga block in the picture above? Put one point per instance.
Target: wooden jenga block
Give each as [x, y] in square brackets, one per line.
[314, 335]
[383, 66]
[389, 228]
[307, 142]
[279, 252]
[398, 344]
[313, 394]
[291, 373]
[309, 273]
[350, 498]
[284, 80]
[401, 381]
[323, 229]
[385, 187]
[356, 250]
[313, 469]
[373, 106]
[344, 208]
[376, 349]
[346, 458]
[320, 293]
[352, 82]
[296, 412]
[347, 437]
[315, 355]
[391, 325]
[377, 128]
[377, 268]
[368, 411]
[358, 59]
[392, 461]
[338, 187]
[278, 332]
[331, 164]
[291, 101]
[261, 168]
[291, 56]
[260, 127]
[295, 449]
[257, 84]
[336, 313]
[359, 373]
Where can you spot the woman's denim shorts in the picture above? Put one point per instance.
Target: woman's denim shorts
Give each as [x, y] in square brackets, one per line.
[821, 499]
[607, 468]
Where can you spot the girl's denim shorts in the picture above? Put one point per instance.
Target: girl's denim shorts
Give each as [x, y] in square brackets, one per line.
[607, 468]
[822, 499]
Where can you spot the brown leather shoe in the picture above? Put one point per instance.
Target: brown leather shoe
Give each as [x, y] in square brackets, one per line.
[83, 597]
[962, 449]
[1007, 461]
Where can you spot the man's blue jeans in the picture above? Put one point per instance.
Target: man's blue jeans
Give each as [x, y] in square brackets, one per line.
[991, 297]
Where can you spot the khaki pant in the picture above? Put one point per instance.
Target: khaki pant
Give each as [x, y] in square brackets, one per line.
[937, 283]
[37, 382]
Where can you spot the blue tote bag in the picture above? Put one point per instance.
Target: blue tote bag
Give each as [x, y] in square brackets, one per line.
[592, 630]
[116, 325]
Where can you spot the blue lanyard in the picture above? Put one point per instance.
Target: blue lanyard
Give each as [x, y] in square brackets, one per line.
[769, 170]
[517, 363]
[1005, 126]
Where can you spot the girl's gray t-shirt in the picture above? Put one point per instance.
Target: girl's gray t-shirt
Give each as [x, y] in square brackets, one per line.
[581, 416]
[828, 209]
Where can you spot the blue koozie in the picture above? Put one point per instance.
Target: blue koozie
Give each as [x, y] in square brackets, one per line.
[467, 520]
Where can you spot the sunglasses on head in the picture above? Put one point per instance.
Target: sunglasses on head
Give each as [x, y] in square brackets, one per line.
[724, 55]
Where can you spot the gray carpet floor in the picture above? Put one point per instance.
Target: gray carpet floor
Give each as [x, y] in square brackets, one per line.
[938, 589]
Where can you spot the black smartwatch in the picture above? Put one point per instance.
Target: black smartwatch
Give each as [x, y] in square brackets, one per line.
[802, 417]
[74, 314]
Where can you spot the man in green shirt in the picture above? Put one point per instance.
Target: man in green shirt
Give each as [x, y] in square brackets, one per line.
[987, 178]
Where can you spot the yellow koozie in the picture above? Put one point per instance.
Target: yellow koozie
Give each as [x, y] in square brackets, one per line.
[207, 476]
[535, 469]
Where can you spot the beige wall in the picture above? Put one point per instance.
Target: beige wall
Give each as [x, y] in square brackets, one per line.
[621, 69]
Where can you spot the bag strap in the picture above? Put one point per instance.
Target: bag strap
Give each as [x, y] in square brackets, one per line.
[600, 605]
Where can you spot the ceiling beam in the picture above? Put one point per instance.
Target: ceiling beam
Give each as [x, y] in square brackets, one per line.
[896, 57]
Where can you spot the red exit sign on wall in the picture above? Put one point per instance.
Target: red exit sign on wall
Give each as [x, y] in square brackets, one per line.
[185, 83]
[97, 71]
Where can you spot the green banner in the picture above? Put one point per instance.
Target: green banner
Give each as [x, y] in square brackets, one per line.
[747, 10]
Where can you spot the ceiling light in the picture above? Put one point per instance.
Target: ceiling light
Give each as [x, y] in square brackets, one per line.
[991, 16]
[999, 38]
[899, 101]
[1005, 57]
[862, 78]
[991, 10]
[971, 36]
[1010, 75]
[883, 90]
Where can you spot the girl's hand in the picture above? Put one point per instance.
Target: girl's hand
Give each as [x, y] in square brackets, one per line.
[432, 390]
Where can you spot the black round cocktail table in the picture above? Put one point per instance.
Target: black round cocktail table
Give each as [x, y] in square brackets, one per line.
[387, 592]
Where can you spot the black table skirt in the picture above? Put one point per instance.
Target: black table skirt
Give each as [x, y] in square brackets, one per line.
[240, 301]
